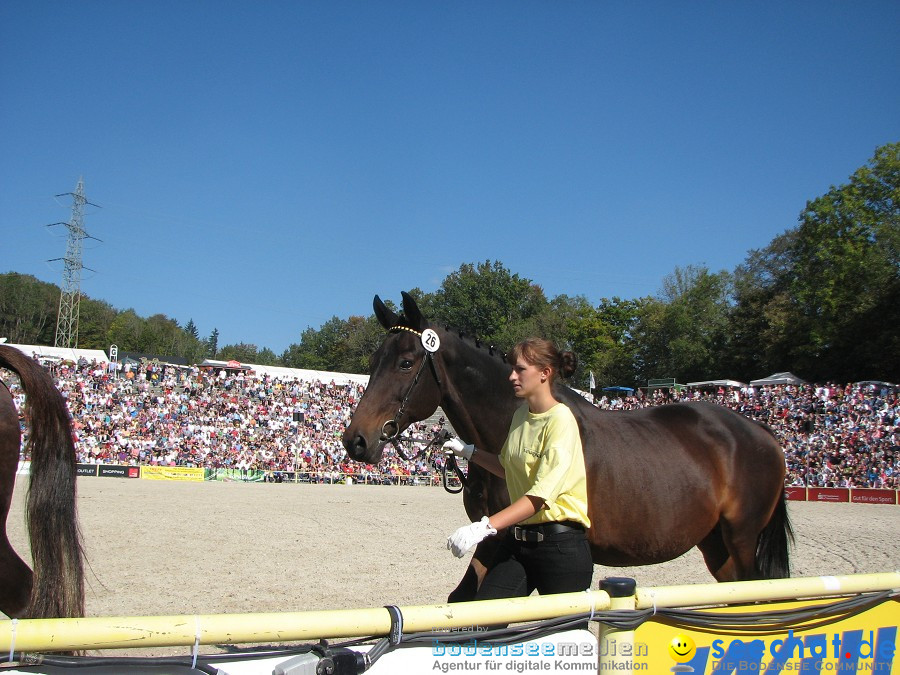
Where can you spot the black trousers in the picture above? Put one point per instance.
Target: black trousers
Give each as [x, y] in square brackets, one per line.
[561, 563]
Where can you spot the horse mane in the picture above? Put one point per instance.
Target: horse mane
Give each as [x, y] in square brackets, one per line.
[404, 324]
[568, 357]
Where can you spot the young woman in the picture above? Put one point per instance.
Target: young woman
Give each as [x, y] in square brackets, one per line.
[545, 547]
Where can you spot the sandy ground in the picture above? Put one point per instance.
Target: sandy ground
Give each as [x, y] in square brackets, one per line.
[157, 548]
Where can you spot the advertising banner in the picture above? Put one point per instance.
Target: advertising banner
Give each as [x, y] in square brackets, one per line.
[863, 643]
[188, 473]
[819, 494]
[795, 494]
[236, 475]
[118, 471]
[873, 496]
[86, 469]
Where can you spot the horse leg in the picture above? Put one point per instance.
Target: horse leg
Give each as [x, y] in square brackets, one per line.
[715, 554]
[16, 576]
[740, 541]
[730, 552]
[15, 591]
[468, 587]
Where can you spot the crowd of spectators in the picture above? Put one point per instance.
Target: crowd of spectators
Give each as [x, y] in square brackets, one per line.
[157, 414]
[162, 415]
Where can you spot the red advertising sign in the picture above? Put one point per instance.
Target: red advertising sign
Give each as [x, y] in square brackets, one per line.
[795, 493]
[873, 496]
[819, 494]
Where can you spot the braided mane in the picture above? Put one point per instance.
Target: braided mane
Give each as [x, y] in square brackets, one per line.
[404, 325]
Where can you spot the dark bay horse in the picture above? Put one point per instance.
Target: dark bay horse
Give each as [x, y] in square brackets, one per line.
[56, 587]
[660, 480]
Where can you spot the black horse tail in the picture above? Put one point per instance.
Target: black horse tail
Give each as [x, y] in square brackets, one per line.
[772, 547]
[50, 510]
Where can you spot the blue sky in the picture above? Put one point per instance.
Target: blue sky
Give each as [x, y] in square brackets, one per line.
[265, 166]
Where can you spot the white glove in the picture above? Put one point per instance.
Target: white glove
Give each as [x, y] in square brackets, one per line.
[468, 535]
[458, 448]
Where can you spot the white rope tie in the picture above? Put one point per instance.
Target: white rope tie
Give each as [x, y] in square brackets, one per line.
[593, 603]
[196, 648]
[12, 639]
[653, 597]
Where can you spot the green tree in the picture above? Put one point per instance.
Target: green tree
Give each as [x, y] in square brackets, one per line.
[95, 319]
[266, 357]
[613, 363]
[488, 301]
[162, 335]
[823, 299]
[191, 329]
[127, 331]
[574, 324]
[683, 334]
[28, 309]
[243, 352]
[364, 335]
[321, 349]
[212, 344]
[761, 322]
[846, 276]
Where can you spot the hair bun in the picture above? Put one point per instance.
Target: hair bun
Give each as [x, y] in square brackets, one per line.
[569, 364]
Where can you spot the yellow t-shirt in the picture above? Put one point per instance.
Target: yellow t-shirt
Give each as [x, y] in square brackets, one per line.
[542, 457]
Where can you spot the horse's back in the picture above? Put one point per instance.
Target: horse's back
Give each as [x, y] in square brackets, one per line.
[698, 428]
[662, 478]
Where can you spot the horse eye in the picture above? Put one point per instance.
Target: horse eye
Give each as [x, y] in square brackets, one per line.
[406, 364]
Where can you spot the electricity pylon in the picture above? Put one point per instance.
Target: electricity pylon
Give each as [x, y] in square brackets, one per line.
[70, 297]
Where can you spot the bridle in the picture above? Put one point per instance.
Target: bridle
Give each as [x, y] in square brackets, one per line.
[390, 430]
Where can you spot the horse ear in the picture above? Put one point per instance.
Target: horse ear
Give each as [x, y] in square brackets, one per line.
[412, 313]
[386, 317]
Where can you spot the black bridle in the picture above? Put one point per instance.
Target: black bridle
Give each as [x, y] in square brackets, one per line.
[390, 430]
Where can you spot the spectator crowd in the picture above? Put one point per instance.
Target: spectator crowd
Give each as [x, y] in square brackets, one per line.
[157, 414]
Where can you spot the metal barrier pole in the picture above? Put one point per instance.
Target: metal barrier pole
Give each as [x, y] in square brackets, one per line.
[617, 646]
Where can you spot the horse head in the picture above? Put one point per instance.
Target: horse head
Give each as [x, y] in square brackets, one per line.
[403, 384]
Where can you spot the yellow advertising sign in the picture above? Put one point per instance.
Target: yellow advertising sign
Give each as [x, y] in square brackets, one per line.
[863, 643]
[172, 473]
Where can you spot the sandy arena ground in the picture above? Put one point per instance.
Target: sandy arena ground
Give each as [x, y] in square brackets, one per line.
[157, 548]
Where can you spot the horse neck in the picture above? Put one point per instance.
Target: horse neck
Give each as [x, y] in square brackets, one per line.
[477, 397]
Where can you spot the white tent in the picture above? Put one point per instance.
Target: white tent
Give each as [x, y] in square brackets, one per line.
[279, 372]
[777, 378]
[63, 353]
[717, 383]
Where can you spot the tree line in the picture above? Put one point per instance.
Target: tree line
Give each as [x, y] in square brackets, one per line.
[821, 300]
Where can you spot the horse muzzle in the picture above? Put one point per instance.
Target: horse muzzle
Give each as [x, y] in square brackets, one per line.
[361, 450]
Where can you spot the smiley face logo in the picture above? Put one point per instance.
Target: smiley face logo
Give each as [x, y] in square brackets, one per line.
[682, 648]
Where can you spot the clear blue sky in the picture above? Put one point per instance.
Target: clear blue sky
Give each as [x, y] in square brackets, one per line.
[265, 166]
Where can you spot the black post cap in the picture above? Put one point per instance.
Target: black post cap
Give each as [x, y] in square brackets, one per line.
[618, 587]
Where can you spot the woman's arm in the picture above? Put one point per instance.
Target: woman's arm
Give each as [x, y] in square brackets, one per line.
[524, 507]
[488, 462]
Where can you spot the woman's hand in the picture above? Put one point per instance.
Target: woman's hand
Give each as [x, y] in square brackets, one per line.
[468, 535]
[458, 448]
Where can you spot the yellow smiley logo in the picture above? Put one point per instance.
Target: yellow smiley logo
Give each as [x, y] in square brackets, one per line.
[682, 648]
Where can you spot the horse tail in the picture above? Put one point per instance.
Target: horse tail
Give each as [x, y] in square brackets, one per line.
[773, 543]
[50, 508]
